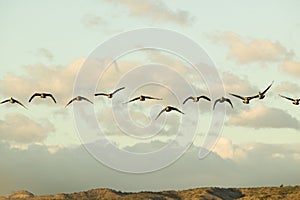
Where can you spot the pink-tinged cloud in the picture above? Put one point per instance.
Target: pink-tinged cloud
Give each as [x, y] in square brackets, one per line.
[236, 84]
[244, 50]
[291, 67]
[264, 117]
[288, 88]
[155, 10]
[57, 80]
[19, 128]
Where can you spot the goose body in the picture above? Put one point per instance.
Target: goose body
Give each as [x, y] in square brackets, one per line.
[222, 100]
[294, 101]
[43, 96]
[196, 99]
[246, 100]
[109, 95]
[12, 101]
[261, 95]
[143, 98]
[168, 109]
[78, 98]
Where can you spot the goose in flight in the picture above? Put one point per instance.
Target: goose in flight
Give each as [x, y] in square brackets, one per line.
[262, 95]
[12, 100]
[78, 98]
[168, 109]
[143, 98]
[109, 95]
[222, 100]
[196, 99]
[43, 96]
[246, 100]
[295, 101]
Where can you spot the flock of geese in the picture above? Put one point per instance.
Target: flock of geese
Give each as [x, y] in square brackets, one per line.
[246, 100]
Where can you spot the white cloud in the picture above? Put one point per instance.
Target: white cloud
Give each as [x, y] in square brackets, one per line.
[264, 117]
[21, 129]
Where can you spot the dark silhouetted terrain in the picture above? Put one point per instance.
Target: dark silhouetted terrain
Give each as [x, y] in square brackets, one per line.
[272, 193]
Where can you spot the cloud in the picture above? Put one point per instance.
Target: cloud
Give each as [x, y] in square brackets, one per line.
[45, 53]
[42, 78]
[156, 10]
[63, 173]
[264, 117]
[236, 84]
[244, 50]
[20, 128]
[287, 87]
[291, 67]
[92, 21]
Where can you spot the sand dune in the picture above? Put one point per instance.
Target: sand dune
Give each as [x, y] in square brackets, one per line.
[212, 193]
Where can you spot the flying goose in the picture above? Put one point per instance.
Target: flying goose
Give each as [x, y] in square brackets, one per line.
[143, 98]
[168, 109]
[196, 99]
[43, 96]
[109, 95]
[295, 101]
[246, 100]
[222, 100]
[78, 98]
[12, 100]
[262, 95]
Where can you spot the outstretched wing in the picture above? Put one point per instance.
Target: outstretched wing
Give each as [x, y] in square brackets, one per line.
[228, 100]
[102, 94]
[187, 99]
[18, 102]
[287, 97]
[216, 101]
[50, 95]
[70, 102]
[238, 96]
[204, 97]
[136, 98]
[87, 100]
[122, 88]
[7, 100]
[173, 108]
[267, 88]
[160, 113]
[253, 97]
[36, 94]
[148, 97]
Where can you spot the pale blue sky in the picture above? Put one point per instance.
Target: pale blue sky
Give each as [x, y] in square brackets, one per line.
[41, 37]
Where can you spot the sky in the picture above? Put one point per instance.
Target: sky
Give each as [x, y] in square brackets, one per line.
[44, 45]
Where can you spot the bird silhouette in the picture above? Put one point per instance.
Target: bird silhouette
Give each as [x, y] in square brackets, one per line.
[246, 100]
[143, 98]
[295, 101]
[222, 100]
[168, 109]
[109, 95]
[196, 99]
[78, 98]
[12, 101]
[262, 95]
[43, 96]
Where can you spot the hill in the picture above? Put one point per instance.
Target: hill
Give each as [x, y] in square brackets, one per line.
[211, 193]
